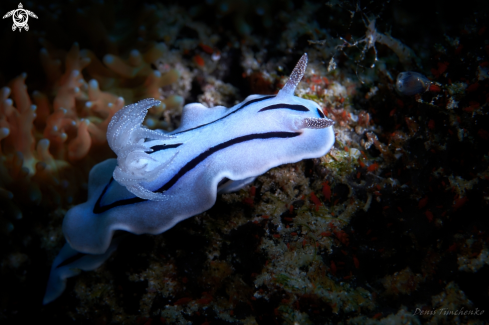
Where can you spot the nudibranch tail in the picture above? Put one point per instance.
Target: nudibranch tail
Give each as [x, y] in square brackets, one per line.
[128, 139]
[69, 263]
[295, 77]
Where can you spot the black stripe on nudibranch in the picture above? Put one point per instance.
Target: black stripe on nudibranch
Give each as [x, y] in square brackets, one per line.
[197, 160]
[163, 147]
[254, 101]
[223, 181]
[97, 208]
[71, 259]
[321, 115]
[301, 108]
[191, 165]
[239, 108]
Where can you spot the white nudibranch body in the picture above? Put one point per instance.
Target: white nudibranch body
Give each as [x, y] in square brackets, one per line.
[160, 179]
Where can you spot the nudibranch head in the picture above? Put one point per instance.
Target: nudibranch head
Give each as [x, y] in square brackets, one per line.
[311, 122]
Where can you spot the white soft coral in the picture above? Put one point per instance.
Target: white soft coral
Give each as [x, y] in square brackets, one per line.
[127, 138]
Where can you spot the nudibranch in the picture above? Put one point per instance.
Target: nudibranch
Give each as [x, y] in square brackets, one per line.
[160, 179]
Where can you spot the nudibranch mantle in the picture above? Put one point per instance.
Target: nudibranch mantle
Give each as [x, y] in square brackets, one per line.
[160, 179]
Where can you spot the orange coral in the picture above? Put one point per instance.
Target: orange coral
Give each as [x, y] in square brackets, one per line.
[17, 123]
[43, 134]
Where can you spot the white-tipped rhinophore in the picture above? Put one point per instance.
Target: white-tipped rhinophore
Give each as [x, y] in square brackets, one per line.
[313, 123]
[295, 77]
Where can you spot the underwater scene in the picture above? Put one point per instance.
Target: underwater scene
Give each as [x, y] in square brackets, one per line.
[244, 162]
